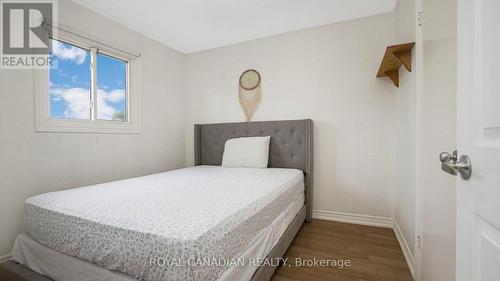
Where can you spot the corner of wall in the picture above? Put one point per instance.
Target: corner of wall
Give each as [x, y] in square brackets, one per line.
[409, 257]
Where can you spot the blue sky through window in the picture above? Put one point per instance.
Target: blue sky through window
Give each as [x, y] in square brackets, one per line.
[70, 84]
[111, 83]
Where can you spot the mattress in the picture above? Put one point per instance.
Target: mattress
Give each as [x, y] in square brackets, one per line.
[195, 214]
[61, 267]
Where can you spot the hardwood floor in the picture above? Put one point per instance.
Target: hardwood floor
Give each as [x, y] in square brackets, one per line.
[373, 252]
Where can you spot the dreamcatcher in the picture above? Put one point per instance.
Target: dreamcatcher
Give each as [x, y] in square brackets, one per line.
[250, 92]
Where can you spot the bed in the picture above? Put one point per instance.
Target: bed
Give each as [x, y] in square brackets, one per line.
[200, 223]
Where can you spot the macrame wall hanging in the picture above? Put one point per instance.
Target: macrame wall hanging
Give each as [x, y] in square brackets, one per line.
[250, 92]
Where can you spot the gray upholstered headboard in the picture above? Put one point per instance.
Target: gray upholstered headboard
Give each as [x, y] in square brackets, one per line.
[291, 146]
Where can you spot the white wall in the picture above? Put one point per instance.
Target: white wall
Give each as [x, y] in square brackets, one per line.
[32, 163]
[405, 27]
[438, 134]
[326, 74]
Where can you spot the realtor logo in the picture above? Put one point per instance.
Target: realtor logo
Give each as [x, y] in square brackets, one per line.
[26, 31]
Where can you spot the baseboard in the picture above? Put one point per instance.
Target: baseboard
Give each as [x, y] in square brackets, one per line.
[371, 221]
[4, 258]
[410, 260]
[353, 218]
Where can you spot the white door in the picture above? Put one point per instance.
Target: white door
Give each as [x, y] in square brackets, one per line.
[478, 199]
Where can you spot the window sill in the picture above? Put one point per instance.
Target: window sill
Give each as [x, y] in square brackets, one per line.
[86, 126]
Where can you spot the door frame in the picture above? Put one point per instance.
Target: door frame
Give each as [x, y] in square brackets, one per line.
[419, 81]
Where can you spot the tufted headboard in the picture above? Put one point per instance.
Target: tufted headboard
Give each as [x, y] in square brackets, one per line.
[291, 146]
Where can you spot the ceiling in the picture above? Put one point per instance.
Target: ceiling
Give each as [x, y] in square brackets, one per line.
[190, 26]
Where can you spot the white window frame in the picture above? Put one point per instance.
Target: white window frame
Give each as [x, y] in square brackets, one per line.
[43, 121]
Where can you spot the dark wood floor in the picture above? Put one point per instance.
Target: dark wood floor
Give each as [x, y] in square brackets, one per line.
[373, 252]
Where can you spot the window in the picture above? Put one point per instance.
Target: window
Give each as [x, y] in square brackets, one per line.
[71, 82]
[88, 89]
[70, 94]
[111, 90]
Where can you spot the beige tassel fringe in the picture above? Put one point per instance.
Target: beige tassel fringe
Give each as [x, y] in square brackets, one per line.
[250, 101]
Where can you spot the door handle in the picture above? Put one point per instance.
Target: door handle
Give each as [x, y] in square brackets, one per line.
[454, 165]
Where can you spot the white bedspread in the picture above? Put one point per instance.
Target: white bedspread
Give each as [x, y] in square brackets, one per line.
[193, 213]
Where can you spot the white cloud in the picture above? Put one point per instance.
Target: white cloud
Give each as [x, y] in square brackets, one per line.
[104, 110]
[115, 95]
[67, 52]
[78, 102]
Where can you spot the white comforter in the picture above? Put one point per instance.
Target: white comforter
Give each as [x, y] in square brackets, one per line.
[203, 212]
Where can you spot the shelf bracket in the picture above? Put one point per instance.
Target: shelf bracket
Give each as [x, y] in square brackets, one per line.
[394, 57]
[394, 76]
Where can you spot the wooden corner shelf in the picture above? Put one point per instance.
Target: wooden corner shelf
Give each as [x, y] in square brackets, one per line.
[394, 57]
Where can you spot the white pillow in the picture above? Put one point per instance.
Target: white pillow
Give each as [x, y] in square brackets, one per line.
[251, 152]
